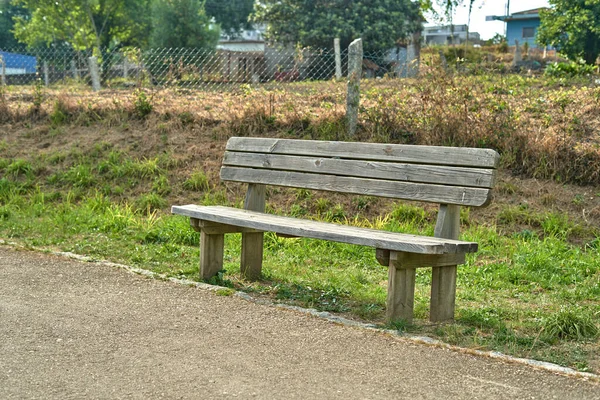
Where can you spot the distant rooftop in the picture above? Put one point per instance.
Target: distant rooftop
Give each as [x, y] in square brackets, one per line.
[523, 15]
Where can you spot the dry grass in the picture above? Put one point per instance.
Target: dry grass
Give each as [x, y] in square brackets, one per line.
[543, 128]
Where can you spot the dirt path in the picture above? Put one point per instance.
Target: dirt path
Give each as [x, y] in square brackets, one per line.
[80, 330]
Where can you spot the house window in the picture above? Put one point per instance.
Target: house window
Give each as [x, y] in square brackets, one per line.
[528, 32]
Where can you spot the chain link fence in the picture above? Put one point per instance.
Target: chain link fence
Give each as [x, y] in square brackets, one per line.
[222, 69]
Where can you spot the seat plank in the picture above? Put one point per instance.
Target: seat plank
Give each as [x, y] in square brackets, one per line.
[436, 155]
[326, 231]
[418, 173]
[459, 195]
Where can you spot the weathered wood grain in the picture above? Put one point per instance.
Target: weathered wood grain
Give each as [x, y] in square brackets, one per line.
[443, 279]
[211, 254]
[439, 155]
[419, 173]
[369, 187]
[214, 228]
[401, 294]
[252, 243]
[326, 231]
[412, 260]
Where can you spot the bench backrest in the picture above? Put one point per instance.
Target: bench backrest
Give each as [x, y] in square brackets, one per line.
[445, 175]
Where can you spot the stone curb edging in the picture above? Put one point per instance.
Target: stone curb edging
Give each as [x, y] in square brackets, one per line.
[543, 365]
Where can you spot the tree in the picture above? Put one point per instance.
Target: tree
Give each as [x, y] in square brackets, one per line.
[84, 24]
[182, 23]
[7, 12]
[231, 15]
[572, 27]
[382, 24]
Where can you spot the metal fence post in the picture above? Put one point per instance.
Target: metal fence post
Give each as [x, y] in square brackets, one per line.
[3, 70]
[94, 73]
[338, 59]
[46, 74]
[355, 60]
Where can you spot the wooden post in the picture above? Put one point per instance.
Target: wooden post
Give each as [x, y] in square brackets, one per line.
[252, 243]
[46, 74]
[443, 279]
[94, 73]
[355, 58]
[401, 292]
[338, 59]
[443, 60]
[74, 71]
[3, 70]
[518, 55]
[211, 254]
[413, 55]
[125, 67]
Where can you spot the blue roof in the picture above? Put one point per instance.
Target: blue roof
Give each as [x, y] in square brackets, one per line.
[20, 61]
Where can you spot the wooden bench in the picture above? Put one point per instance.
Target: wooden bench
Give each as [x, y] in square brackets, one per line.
[450, 176]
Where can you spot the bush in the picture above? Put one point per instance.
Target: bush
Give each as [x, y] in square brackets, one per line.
[571, 69]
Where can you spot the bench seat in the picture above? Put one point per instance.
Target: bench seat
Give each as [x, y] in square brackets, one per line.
[261, 222]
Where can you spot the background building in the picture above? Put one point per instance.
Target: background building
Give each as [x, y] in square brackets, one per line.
[522, 26]
[443, 35]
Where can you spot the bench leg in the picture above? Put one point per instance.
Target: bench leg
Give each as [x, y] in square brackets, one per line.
[443, 294]
[401, 293]
[252, 255]
[211, 254]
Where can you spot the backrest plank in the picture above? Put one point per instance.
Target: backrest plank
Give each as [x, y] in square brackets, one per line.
[418, 173]
[445, 175]
[466, 196]
[436, 155]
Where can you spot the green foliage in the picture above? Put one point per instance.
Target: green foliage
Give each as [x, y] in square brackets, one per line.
[19, 167]
[198, 181]
[181, 23]
[38, 94]
[8, 11]
[150, 202]
[60, 114]
[231, 15]
[569, 70]
[84, 24]
[382, 24]
[80, 176]
[571, 323]
[573, 27]
[142, 104]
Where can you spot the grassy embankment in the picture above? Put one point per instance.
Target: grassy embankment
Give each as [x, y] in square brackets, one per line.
[95, 174]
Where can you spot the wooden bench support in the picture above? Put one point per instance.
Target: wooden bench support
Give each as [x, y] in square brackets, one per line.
[211, 254]
[401, 293]
[443, 279]
[443, 293]
[401, 281]
[252, 243]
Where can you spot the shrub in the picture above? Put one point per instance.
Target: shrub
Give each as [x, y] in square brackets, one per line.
[142, 104]
[571, 69]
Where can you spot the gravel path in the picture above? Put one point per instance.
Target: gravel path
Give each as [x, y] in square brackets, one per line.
[71, 330]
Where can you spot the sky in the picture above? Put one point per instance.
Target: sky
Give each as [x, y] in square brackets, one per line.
[483, 8]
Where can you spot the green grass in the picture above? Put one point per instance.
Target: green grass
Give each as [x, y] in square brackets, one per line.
[532, 295]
